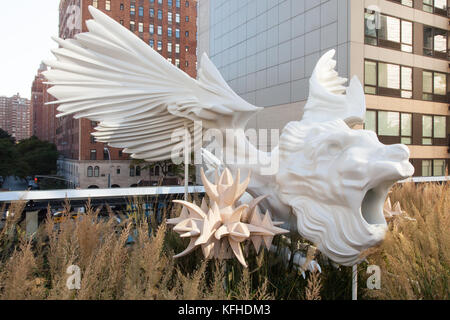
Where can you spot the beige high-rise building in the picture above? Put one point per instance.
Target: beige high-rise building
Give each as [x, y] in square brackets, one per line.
[267, 49]
[15, 116]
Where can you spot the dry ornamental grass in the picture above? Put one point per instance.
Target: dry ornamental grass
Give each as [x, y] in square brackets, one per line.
[414, 259]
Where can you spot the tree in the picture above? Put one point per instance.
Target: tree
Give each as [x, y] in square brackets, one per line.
[6, 135]
[39, 157]
[8, 157]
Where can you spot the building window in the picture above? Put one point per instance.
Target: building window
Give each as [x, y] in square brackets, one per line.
[388, 79]
[390, 124]
[169, 47]
[132, 171]
[93, 140]
[152, 43]
[187, 18]
[393, 33]
[118, 171]
[433, 127]
[427, 169]
[151, 29]
[177, 33]
[132, 9]
[160, 1]
[169, 32]
[434, 168]
[141, 11]
[187, 4]
[90, 172]
[159, 45]
[439, 168]
[93, 154]
[105, 155]
[187, 48]
[177, 48]
[169, 17]
[121, 22]
[435, 42]
[177, 3]
[408, 3]
[141, 27]
[435, 6]
[160, 15]
[152, 13]
[160, 31]
[132, 25]
[108, 5]
[177, 18]
[138, 171]
[120, 153]
[177, 62]
[95, 3]
[434, 86]
[121, 7]
[96, 172]
[187, 34]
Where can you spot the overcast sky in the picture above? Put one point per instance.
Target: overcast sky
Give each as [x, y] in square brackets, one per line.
[25, 30]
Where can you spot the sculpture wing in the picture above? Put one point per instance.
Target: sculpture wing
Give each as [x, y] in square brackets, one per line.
[329, 99]
[139, 98]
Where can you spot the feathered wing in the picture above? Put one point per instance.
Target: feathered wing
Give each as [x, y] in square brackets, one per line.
[111, 76]
[329, 99]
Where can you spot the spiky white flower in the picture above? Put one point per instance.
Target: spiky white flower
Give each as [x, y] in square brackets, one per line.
[220, 228]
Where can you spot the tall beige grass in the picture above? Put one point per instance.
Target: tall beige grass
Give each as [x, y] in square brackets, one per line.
[414, 259]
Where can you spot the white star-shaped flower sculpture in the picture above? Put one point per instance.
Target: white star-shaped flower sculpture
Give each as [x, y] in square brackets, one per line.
[220, 228]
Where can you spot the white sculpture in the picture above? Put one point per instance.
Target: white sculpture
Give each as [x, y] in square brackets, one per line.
[221, 227]
[333, 180]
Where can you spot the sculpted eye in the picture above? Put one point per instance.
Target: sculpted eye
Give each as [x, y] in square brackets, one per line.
[334, 149]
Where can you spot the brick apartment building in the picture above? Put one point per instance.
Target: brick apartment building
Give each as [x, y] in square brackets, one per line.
[169, 26]
[42, 117]
[15, 116]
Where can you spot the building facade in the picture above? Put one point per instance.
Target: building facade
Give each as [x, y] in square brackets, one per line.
[42, 116]
[267, 49]
[169, 27]
[15, 116]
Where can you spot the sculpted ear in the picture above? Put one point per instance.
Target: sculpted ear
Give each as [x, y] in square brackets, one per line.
[329, 99]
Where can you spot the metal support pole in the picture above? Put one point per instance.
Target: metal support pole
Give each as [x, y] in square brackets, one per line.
[355, 283]
[186, 162]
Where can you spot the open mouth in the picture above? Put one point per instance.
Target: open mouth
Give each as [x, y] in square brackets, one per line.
[373, 203]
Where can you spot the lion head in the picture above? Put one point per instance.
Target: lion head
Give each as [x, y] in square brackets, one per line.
[336, 180]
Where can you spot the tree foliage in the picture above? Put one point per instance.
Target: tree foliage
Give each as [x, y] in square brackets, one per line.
[27, 158]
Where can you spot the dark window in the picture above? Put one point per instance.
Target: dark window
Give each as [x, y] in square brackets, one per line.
[132, 172]
[387, 31]
[388, 79]
[435, 42]
[388, 124]
[435, 6]
[138, 171]
[121, 7]
[96, 172]
[90, 172]
[93, 154]
[434, 86]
